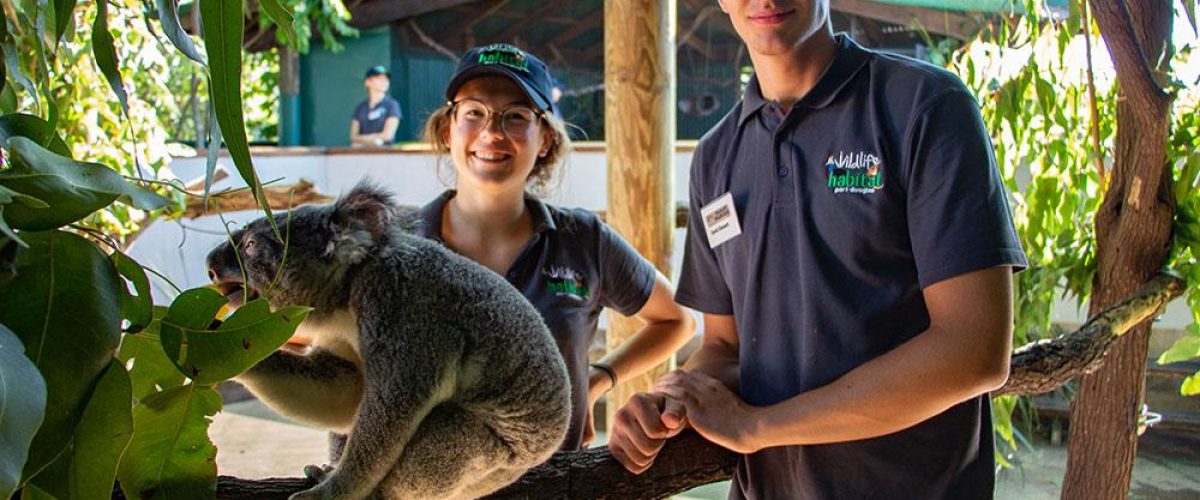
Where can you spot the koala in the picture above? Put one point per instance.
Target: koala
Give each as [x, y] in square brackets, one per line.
[444, 378]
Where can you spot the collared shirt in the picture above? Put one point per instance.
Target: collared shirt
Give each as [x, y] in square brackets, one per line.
[372, 118]
[573, 267]
[880, 182]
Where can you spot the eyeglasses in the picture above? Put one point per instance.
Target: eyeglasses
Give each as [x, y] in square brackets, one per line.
[517, 122]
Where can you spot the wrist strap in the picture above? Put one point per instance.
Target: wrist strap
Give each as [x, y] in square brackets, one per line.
[612, 375]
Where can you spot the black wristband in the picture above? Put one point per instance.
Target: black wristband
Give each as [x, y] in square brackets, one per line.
[612, 375]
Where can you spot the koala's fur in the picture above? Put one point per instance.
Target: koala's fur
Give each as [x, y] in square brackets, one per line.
[444, 377]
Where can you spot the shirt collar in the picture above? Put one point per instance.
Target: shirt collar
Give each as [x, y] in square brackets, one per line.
[432, 212]
[849, 58]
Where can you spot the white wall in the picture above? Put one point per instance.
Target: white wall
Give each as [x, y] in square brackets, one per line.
[177, 249]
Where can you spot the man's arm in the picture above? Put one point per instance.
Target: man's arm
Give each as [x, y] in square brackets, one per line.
[964, 353]
[358, 139]
[389, 130]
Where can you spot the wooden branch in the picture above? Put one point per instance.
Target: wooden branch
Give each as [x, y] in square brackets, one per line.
[688, 460]
[1047, 364]
[1134, 70]
[279, 197]
[933, 21]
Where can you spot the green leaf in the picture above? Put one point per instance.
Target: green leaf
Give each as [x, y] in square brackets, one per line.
[8, 196]
[73, 189]
[281, 17]
[247, 337]
[8, 231]
[222, 20]
[88, 469]
[137, 309]
[1183, 349]
[34, 128]
[213, 151]
[168, 14]
[22, 407]
[171, 455]
[1189, 6]
[64, 302]
[152, 370]
[64, 13]
[1191, 385]
[106, 54]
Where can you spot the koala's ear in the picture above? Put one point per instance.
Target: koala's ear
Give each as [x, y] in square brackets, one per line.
[366, 208]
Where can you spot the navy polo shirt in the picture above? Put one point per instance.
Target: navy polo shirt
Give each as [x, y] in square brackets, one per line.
[371, 118]
[573, 267]
[880, 182]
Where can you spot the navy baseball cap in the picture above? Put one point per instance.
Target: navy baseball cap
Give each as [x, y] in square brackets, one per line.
[505, 60]
[376, 71]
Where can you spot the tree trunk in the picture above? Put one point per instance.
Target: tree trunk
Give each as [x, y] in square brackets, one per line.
[1133, 231]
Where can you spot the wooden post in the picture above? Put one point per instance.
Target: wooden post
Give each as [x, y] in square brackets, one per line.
[639, 129]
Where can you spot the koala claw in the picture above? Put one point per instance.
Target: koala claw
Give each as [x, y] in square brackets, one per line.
[317, 473]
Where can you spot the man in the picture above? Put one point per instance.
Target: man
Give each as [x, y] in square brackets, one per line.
[851, 248]
[375, 119]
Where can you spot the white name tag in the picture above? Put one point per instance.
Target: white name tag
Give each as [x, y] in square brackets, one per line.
[720, 220]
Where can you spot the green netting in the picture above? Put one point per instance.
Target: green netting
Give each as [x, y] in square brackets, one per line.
[999, 6]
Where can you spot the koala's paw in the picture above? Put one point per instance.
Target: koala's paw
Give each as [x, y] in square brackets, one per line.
[317, 473]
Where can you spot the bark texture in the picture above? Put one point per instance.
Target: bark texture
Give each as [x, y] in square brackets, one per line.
[1133, 233]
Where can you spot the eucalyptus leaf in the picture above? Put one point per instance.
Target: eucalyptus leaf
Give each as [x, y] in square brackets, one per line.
[73, 189]
[106, 54]
[281, 17]
[170, 455]
[223, 29]
[1191, 385]
[247, 337]
[137, 309]
[87, 469]
[9, 196]
[64, 13]
[22, 407]
[152, 370]
[64, 292]
[34, 128]
[168, 14]
[213, 151]
[1182, 350]
[8, 231]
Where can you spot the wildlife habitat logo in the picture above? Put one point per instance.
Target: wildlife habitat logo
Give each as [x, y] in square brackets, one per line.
[858, 173]
[562, 280]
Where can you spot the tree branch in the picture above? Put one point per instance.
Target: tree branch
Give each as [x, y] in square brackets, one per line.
[688, 461]
[1128, 53]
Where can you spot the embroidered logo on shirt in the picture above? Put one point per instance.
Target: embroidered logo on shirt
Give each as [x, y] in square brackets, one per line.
[562, 280]
[374, 114]
[857, 173]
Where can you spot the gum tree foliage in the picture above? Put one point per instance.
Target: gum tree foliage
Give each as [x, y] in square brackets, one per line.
[1054, 131]
[97, 382]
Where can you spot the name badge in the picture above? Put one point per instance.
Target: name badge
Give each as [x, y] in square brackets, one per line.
[720, 220]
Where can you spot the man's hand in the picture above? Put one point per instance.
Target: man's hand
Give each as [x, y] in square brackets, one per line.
[712, 409]
[642, 426]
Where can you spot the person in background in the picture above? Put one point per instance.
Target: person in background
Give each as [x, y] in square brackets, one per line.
[505, 140]
[375, 119]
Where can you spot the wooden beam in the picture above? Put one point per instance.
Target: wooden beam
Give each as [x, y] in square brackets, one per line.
[374, 13]
[536, 15]
[689, 37]
[639, 129]
[479, 12]
[934, 21]
[591, 21]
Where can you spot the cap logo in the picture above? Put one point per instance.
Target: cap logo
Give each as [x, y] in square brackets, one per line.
[505, 55]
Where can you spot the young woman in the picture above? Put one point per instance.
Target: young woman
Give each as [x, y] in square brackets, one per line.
[504, 139]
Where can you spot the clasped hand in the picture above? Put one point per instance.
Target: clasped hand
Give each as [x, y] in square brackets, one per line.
[680, 400]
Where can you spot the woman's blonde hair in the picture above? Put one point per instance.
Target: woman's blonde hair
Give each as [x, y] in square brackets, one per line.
[545, 168]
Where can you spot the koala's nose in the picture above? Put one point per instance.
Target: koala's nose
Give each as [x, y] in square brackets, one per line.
[221, 264]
